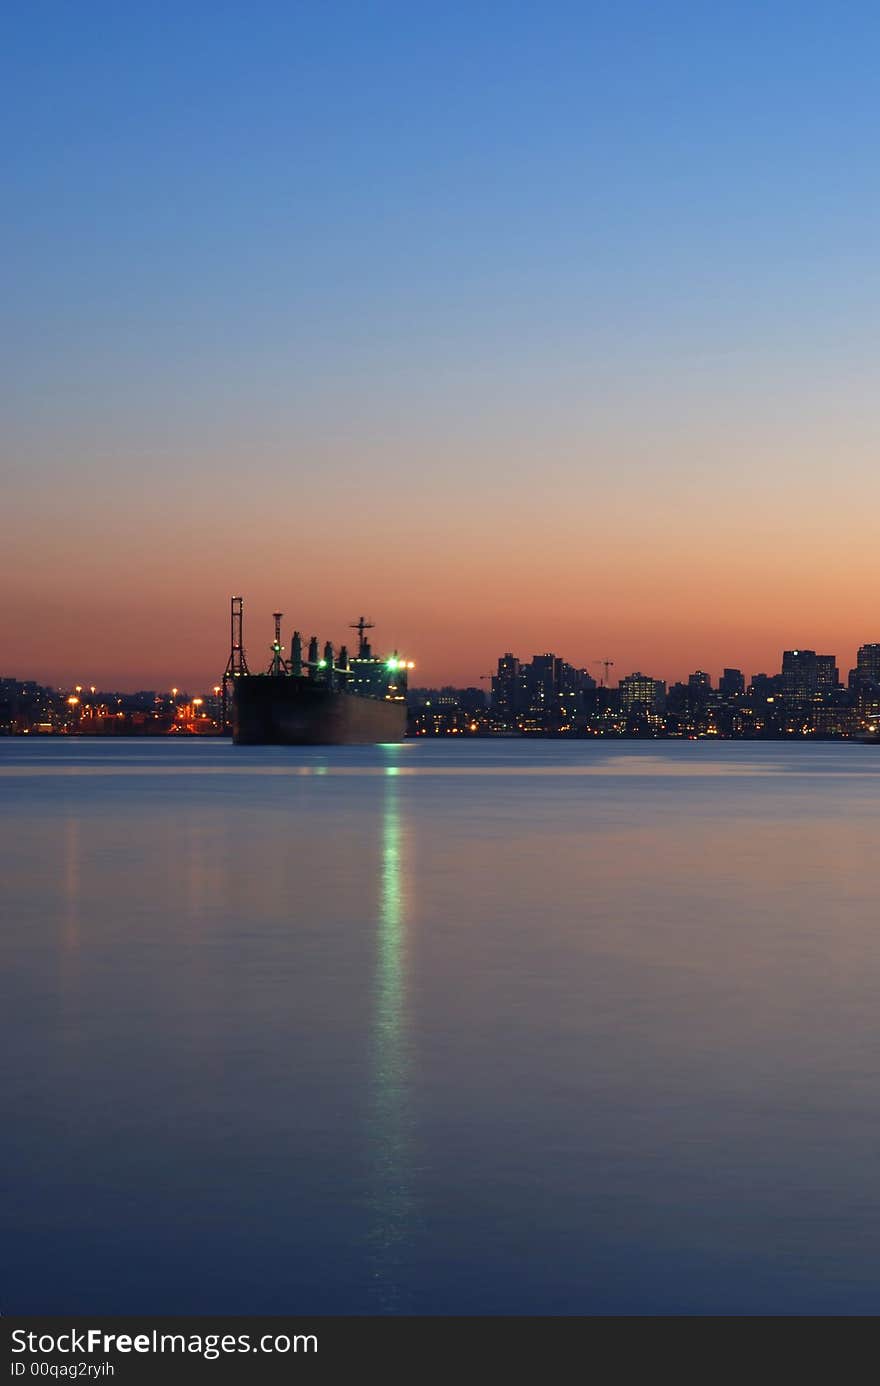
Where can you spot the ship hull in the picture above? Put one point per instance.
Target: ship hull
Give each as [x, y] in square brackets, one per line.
[279, 710]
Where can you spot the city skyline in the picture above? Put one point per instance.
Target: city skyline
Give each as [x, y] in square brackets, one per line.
[544, 696]
[607, 672]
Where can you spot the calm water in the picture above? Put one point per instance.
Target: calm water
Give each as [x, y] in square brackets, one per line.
[494, 1028]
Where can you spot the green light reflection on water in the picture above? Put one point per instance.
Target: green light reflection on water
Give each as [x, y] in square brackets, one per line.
[392, 1203]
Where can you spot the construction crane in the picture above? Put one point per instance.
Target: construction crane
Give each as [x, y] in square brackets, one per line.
[487, 678]
[606, 665]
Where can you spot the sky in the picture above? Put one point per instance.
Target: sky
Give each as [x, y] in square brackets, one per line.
[511, 326]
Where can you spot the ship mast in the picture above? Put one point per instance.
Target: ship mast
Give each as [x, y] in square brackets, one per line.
[277, 666]
[363, 643]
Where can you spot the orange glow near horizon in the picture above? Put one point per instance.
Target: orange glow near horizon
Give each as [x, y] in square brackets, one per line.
[657, 577]
[610, 529]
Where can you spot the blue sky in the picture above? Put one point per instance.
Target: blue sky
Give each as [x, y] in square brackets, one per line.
[303, 242]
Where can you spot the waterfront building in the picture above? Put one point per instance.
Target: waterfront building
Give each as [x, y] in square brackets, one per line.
[700, 682]
[827, 676]
[732, 683]
[807, 676]
[507, 687]
[640, 692]
[867, 670]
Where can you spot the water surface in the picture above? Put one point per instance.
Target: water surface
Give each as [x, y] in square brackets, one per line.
[434, 1028]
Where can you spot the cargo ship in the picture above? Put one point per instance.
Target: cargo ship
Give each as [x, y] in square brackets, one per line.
[318, 696]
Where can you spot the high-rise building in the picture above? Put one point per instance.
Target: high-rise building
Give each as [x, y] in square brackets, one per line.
[807, 676]
[765, 685]
[699, 686]
[827, 677]
[800, 675]
[640, 691]
[542, 681]
[731, 683]
[864, 682]
[506, 685]
[867, 668]
[572, 680]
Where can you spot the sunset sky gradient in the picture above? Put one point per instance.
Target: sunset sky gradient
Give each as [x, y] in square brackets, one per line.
[529, 327]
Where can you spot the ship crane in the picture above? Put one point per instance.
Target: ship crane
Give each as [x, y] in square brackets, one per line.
[236, 665]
